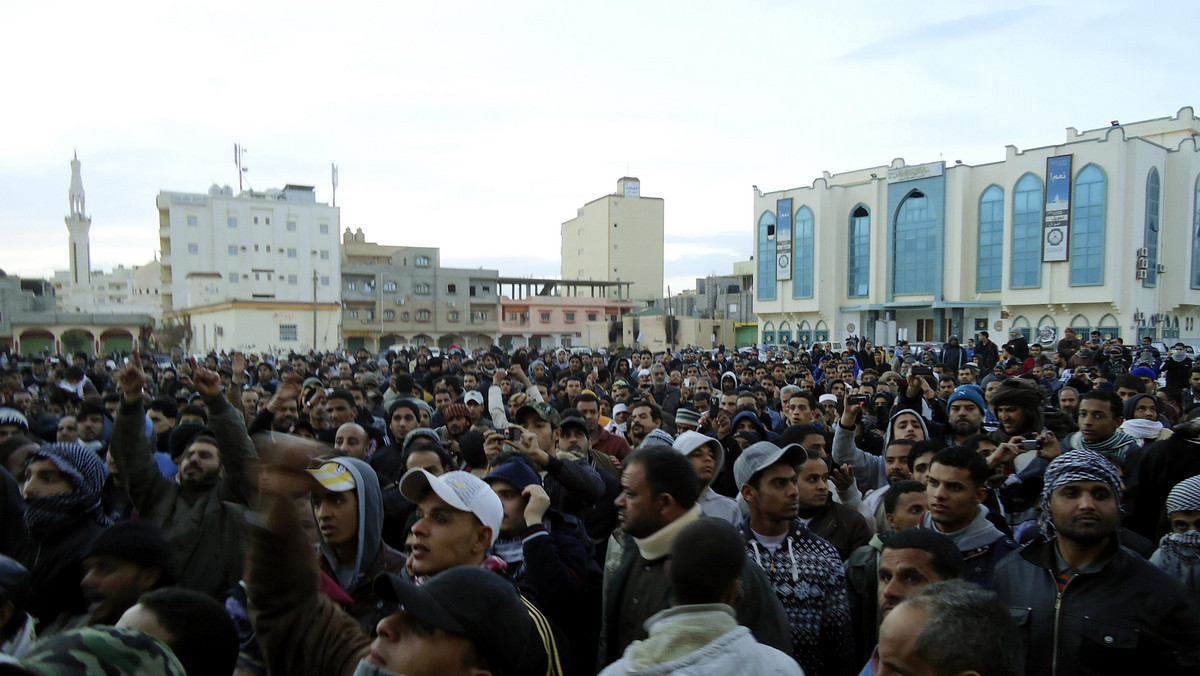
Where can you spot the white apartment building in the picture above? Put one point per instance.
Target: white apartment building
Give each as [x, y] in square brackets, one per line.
[617, 238]
[1100, 232]
[253, 271]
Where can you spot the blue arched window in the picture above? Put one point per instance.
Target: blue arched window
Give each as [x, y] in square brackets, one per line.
[766, 256]
[1087, 227]
[859, 267]
[802, 254]
[1026, 271]
[1151, 240]
[915, 250]
[990, 263]
[768, 334]
[1196, 236]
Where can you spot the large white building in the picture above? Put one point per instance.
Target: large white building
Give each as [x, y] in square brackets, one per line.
[617, 238]
[79, 288]
[254, 271]
[1099, 232]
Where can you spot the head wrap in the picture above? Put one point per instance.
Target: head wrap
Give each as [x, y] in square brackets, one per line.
[1185, 496]
[1075, 466]
[1179, 553]
[1024, 395]
[86, 472]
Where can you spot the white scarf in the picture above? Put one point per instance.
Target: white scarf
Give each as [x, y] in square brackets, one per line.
[1142, 429]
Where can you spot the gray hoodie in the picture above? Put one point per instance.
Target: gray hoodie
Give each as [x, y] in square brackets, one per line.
[370, 525]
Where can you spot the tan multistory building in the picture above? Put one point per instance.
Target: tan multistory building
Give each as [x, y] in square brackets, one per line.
[401, 296]
[1099, 232]
[617, 238]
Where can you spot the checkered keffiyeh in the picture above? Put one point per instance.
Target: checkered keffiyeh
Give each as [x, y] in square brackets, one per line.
[1075, 466]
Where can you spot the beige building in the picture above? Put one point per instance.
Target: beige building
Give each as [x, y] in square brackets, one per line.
[252, 271]
[617, 238]
[1099, 232]
[542, 313]
[398, 295]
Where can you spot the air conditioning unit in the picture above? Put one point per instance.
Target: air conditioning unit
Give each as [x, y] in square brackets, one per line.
[449, 303]
[1143, 252]
[402, 301]
[1141, 274]
[1143, 264]
[1161, 268]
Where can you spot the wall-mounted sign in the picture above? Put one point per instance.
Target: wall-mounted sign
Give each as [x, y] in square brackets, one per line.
[783, 239]
[899, 174]
[1056, 223]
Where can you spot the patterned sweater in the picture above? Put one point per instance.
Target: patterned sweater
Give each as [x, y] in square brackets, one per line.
[809, 581]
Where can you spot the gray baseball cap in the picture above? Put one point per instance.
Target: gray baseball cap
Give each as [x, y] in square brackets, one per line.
[762, 455]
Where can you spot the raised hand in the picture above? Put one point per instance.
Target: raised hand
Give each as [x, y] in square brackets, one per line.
[239, 367]
[131, 378]
[289, 388]
[208, 383]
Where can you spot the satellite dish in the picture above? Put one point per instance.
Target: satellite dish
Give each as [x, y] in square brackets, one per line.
[1047, 335]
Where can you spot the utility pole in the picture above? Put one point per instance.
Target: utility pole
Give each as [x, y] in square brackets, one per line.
[315, 277]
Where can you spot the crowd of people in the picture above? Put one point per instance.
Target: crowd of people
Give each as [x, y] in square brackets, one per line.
[971, 508]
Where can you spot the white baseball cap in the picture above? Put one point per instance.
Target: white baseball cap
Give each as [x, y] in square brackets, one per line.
[461, 490]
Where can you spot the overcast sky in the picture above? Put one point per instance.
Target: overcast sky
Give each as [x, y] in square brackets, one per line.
[481, 127]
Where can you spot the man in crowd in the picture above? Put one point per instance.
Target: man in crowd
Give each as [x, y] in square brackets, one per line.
[347, 508]
[612, 445]
[125, 561]
[1100, 417]
[707, 456]
[909, 562]
[657, 501]
[1084, 604]
[950, 628]
[544, 551]
[665, 395]
[957, 487]
[793, 557]
[201, 515]
[705, 574]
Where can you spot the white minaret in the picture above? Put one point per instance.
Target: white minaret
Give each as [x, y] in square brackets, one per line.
[78, 223]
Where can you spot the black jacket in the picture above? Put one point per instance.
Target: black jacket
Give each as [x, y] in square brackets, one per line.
[55, 562]
[757, 609]
[1123, 617]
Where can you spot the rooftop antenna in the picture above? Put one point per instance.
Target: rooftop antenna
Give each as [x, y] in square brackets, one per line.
[333, 167]
[238, 151]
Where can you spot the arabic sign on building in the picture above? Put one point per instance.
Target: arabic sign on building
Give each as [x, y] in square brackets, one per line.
[1056, 219]
[898, 174]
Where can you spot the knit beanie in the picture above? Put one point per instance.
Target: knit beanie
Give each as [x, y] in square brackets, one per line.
[970, 392]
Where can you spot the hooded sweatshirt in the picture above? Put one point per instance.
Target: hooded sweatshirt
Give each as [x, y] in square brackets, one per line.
[870, 470]
[711, 503]
[372, 556]
[981, 544]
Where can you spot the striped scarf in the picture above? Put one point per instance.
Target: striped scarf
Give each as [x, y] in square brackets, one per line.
[1115, 445]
